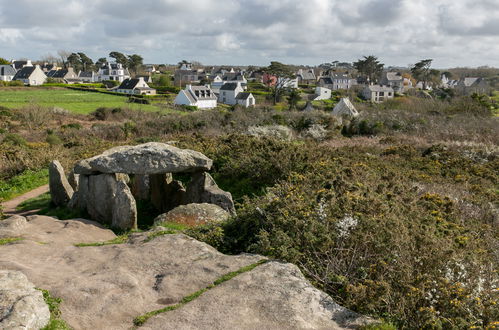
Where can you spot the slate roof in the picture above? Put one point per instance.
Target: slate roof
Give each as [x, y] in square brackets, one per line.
[7, 70]
[86, 74]
[228, 87]
[59, 73]
[469, 81]
[233, 76]
[378, 88]
[200, 93]
[307, 74]
[243, 96]
[394, 76]
[129, 83]
[327, 80]
[24, 73]
[19, 64]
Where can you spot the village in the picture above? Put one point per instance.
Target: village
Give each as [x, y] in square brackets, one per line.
[196, 86]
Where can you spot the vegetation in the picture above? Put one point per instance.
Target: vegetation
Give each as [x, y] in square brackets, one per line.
[140, 320]
[118, 240]
[369, 67]
[55, 323]
[422, 71]
[5, 241]
[282, 73]
[22, 183]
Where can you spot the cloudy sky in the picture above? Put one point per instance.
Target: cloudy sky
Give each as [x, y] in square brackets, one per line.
[399, 32]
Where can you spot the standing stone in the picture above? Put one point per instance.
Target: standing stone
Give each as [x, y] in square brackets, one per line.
[60, 189]
[124, 208]
[203, 189]
[21, 305]
[99, 199]
[158, 184]
[73, 180]
[141, 189]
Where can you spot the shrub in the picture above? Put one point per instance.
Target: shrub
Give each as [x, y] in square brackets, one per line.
[14, 139]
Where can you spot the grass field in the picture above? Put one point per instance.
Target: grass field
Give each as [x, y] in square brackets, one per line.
[72, 100]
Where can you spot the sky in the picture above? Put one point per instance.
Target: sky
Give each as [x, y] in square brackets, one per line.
[255, 32]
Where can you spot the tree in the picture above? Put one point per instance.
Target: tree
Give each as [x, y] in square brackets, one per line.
[135, 62]
[63, 54]
[100, 62]
[74, 61]
[86, 61]
[422, 71]
[282, 73]
[369, 67]
[293, 99]
[119, 58]
[3, 61]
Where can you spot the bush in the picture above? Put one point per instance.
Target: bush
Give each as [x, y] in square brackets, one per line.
[14, 139]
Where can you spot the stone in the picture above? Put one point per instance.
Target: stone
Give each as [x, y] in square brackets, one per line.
[21, 305]
[60, 189]
[194, 215]
[124, 208]
[140, 187]
[99, 198]
[203, 189]
[73, 180]
[166, 193]
[79, 199]
[148, 158]
[274, 295]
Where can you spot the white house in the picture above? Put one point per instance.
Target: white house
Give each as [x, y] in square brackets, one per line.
[18, 65]
[394, 80]
[217, 83]
[7, 72]
[345, 108]
[31, 75]
[288, 82]
[135, 86]
[114, 71]
[245, 99]
[337, 81]
[88, 76]
[377, 93]
[199, 96]
[322, 93]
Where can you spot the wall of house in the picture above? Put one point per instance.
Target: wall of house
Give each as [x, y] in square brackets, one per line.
[322, 93]
[206, 104]
[229, 97]
[182, 99]
[37, 78]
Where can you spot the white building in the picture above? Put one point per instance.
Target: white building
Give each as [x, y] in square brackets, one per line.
[322, 93]
[114, 72]
[245, 99]
[135, 86]
[345, 108]
[31, 75]
[377, 93]
[199, 96]
[88, 76]
[7, 72]
[233, 93]
[288, 82]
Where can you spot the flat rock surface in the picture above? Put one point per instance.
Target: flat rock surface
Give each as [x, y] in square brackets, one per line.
[194, 214]
[148, 158]
[106, 287]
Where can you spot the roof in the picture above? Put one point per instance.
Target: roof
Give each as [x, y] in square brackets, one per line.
[86, 74]
[129, 83]
[306, 74]
[378, 88]
[24, 73]
[327, 80]
[232, 76]
[7, 70]
[58, 73]
[469, 81]
[229, 87]
[243, 96]
[200, 93]
[19, 64]
[340, 76]
[394, 76]
[345, 107]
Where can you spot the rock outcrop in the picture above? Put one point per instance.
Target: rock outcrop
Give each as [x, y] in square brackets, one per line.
[106, 287]
[21, 305]
[194, 214]
[148, 158]
[60, 189]
[203, 189]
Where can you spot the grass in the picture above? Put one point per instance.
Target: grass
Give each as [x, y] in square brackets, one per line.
[55, 323]
[140, 320]
[75, 101]
[5, 241]
[23, 183]
[118, 240]
[36, 203]
[43, 204]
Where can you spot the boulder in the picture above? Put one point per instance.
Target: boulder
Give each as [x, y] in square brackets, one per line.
[99, 198]
[148, 158]
[60, 189]
[124, 208]
[140, 186]
[194, 214]
[73, 180]
[203, 189]
[166, 193]
[21, 305]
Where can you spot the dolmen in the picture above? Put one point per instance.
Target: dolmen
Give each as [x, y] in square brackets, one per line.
[108, 185]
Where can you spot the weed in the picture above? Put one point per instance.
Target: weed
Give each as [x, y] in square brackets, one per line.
[5, 241]
[55, 323]
[118, 240]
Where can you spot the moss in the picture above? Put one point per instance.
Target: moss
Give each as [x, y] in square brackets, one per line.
[5, 241]
[118, 240]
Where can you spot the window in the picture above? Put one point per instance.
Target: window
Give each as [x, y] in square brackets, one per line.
[381, 93]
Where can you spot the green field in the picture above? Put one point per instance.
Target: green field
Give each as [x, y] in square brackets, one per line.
[72, 100]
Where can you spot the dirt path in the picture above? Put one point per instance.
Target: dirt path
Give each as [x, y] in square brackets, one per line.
[9, 207]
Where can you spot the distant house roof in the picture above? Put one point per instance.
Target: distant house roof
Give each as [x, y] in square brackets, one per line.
[7, 70]
[335, 75]
[86, 74]
[469, 81]
[233, 76]
[24, 73]
[378, 88]
[200, 93]
[243, 96]
[20, 64]
[327, 80]
[306, 74]
[129, 83]
[394, 76]
[228, 87]
[59, 73]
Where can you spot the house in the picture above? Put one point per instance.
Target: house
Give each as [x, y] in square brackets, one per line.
[88, 76]
[18, 65]
[245, 99]
[186, 75]
[228, 78]
[135, 86]
[233, 93]
[306, 76]
[113, 71]
[322, 93]
[150, 68]
[7, 72]
[470, 85]
[62, 74]
[147, 78]
[337, 81]
[288, 82]
[269, 80]
[394, 80]
[199, 96]
[46, 67]
[345, 108]
[31, 75]
[377, 93]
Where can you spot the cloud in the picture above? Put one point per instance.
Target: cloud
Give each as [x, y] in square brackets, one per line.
[452, 32]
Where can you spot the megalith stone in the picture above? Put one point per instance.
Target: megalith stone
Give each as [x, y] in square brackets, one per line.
[194, 214]
[21, 305]
[140, 187]
[124, 208]
[166, 193]
[100, 195]
[148, 158]
[60, 189]
[73, 180]
[203, 189]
